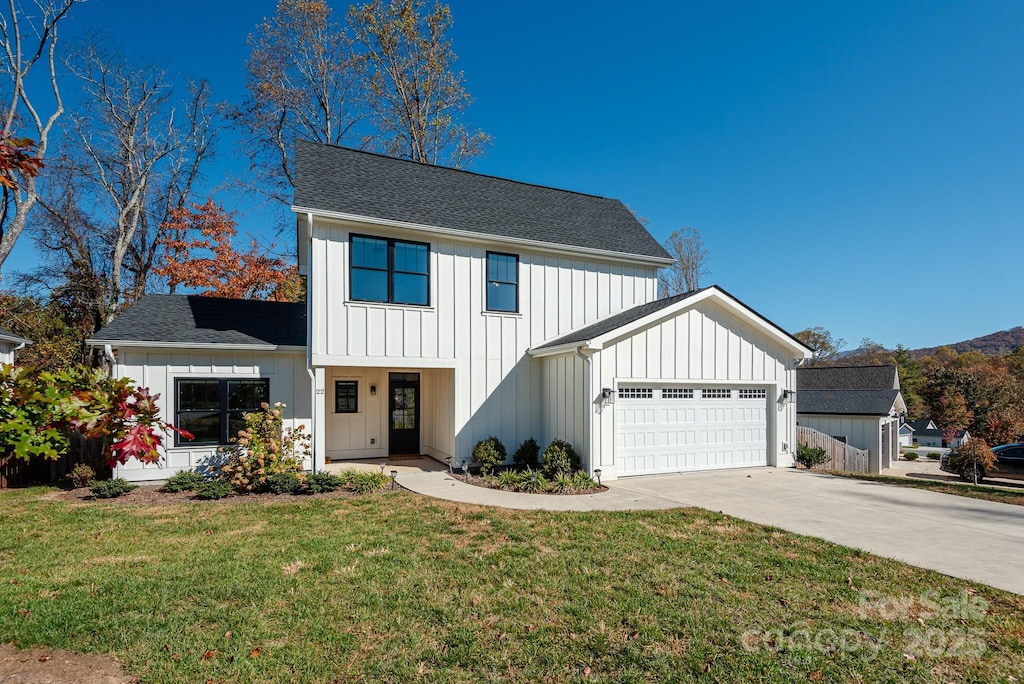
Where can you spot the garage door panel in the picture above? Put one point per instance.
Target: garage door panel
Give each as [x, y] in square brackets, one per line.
[673, 429]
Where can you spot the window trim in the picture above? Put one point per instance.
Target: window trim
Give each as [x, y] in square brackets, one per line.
[488, 280]
[222, 389]
[337, 383]
[391, 271]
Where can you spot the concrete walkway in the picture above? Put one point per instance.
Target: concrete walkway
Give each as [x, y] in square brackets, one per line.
[968, 538]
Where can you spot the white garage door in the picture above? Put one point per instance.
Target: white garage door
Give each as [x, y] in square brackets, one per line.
[677, 428]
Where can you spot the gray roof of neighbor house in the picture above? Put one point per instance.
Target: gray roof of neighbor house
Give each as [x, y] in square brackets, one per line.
[341, 180]
[921, 424]
[870, 402]
[847, 377]
[190, 319]
[8, 336]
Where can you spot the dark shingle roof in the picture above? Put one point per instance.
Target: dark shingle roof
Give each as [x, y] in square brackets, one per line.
[920, 425]
[847, 377]
[191, 319]
[872, 402]
[606, 325]
[338, 179]
[11, 337]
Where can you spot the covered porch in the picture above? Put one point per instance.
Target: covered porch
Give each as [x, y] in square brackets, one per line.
[376, 414]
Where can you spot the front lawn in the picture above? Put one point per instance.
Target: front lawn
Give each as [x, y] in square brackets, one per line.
[1000, 494]
[396, 587]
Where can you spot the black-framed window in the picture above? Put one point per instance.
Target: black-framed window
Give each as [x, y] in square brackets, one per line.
[212, 409]
[389, 270]
[502, 282]
[346, 396]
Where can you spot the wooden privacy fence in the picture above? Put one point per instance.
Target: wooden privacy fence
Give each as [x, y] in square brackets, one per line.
[16, 472]
[839, 454]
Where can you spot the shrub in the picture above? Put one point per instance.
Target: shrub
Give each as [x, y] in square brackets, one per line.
[320, 483]
[973, 460]
[528, 453]
[910, 456]
[934, 455]
[560, 457]
[365, 481]
[284, 483]
[509, 480]
[111, 489]
[214, 489]
[184, 481]
[809, 456]
[82, 475]
[583, 482]
[264, 449]
[533, 481]
[489, 453]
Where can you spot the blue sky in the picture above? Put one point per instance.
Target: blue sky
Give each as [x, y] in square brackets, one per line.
[855, 165]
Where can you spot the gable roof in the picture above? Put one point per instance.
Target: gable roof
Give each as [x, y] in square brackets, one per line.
[922, 424]
[616, 321]
[361, 184]
[868, 402]
[847, 377]
[194, 320]
[7, 336]
[592, 334]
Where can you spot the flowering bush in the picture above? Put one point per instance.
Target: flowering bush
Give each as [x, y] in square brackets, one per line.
[264, 449]
[39, 408]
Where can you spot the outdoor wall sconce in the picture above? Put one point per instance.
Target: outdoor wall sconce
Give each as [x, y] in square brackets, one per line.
[606, 393]
[373, 390]
[394, 474]
[788, 396]
[597, 474]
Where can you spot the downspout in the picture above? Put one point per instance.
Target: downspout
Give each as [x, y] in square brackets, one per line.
[107, 352]
[309, 338]
[589, 422]
[19, 347]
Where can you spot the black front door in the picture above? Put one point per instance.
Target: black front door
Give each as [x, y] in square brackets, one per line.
[404, 420]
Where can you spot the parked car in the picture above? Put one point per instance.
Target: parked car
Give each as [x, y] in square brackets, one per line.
[1009, 463]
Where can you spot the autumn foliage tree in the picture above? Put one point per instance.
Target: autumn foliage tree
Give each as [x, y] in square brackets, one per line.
[199, 255]
[17, 158]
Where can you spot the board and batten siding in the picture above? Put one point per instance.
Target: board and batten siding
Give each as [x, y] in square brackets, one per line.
[862, 432]
[157, 369]
[705, 345]
[6, 352]
[497, 387]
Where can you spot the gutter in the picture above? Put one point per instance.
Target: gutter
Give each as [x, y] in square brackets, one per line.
[660, 262]
[154, 344]
[588, 393]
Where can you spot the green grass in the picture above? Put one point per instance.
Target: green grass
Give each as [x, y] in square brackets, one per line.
[395, 587]
[1000, 494]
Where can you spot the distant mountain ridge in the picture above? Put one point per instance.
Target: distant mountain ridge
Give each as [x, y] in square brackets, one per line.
[1002, 342]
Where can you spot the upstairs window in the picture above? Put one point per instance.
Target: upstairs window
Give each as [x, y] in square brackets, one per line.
[212, 409]
[502, 282]
[390, 271]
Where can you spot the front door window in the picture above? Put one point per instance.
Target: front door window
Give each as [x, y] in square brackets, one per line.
[404, 412]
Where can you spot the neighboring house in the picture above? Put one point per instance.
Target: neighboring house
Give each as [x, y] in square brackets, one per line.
[927, 434]
[906, 435]
[444, 307]
[860, 405]
[10, 343]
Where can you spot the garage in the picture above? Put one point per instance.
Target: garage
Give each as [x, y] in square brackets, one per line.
[697, 381]
[676, 428]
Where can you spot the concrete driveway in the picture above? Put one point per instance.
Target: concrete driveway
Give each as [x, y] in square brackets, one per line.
[968, 538]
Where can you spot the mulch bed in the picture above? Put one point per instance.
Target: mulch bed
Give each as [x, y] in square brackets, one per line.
[151, 495]
[479, 481]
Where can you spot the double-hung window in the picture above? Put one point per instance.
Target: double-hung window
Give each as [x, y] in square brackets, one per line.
[212, 409]
[389, 271]
[502, 282]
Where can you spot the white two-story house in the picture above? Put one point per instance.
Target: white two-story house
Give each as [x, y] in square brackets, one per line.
[444, 307]
[9, 344]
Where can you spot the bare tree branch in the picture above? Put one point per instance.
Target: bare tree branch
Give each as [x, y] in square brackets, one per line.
[687, 247]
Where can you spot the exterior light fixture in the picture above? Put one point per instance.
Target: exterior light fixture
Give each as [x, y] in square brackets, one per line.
[448, 460]
[465, 469]
[597, 474]
[788, 396]
[606, 393]
[394, 474]
[382, 465]
[373, 390]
